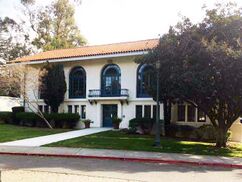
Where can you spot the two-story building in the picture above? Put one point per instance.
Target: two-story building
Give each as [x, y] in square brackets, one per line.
[104, 81]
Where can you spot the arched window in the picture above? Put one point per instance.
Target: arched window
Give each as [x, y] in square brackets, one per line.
[144, 78]
[77, 83]
[111, 80]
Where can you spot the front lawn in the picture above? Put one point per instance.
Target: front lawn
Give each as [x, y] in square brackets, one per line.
[122, 141]
[12, 132]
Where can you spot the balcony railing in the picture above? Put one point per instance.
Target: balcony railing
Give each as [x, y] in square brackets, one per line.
[108, 93]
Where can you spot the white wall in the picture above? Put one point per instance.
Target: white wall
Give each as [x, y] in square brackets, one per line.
[93, 70]
[236, 130]
[6, 103]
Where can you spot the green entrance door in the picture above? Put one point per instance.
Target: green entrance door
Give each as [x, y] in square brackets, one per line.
[109, 111]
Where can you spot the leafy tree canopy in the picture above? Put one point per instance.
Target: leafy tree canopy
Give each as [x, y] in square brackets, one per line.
[55, 27]
[201, 64]
[40, 29]
[12, 40]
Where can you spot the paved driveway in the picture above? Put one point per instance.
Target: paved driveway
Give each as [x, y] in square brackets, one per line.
[43, 140]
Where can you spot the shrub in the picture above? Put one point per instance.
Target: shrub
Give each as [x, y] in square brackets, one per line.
[207, 133]
[87, 122]
[133, 124]
[27, 118]
[145, 124]
[16, 110]
[63, 120]
[116, 121]
[180, 131]
[57, 120]
[5, 117]
[202, 133]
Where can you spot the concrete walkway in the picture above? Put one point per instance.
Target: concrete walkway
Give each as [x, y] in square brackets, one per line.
[154, 157]
[43, 140]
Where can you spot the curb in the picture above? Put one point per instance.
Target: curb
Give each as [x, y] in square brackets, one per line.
[130, 159]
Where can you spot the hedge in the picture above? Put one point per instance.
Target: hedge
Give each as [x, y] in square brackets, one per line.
[180, 131]
[57, 120]
[16, 110]
[145, 124]
[205, 132]
[6, 117]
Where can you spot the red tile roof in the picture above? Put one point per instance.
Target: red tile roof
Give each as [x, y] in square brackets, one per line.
[96, 50]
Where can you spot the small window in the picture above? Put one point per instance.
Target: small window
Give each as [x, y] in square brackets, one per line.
[147, 113]
[191, 113]
[40, 107]
[83, 112]
[154, 112]
[201, 116]
[76, 108]
[138, 111]
[181, 112]
[69, 108]
[46, 109]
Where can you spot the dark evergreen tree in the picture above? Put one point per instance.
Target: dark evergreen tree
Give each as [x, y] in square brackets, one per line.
[53, 85]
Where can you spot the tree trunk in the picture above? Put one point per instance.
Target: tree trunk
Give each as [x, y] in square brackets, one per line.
[221, 137]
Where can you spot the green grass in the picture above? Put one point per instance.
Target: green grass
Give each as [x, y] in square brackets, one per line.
[122, 141]
[12, 132]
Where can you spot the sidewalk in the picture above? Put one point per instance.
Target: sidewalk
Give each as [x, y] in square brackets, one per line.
[44, 140]
[152, 157]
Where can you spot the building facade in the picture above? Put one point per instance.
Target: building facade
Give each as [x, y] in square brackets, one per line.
[105, 81]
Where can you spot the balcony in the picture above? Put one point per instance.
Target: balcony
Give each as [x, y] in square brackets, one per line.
[108, 93]
[99, 94]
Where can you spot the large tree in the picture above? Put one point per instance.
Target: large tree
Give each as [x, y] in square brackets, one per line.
[12, 40]
[201, 64]
[55, 26]
[53, 85]
[39, 29]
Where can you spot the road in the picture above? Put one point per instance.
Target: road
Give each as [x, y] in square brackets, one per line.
[47, 169]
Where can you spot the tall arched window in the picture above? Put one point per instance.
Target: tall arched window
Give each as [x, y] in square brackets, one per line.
[77, 83]
[145, 73]
[111, 80]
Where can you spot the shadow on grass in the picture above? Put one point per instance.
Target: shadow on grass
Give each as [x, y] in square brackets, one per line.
[122, 141]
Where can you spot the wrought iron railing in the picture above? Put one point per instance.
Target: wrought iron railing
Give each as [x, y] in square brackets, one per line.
[108, 93]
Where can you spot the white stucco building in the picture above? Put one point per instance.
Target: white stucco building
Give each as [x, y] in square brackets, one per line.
[103, 81]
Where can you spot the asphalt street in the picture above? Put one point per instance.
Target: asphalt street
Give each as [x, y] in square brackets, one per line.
[49, 169]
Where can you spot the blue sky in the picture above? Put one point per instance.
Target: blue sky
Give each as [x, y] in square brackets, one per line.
[108, 21]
